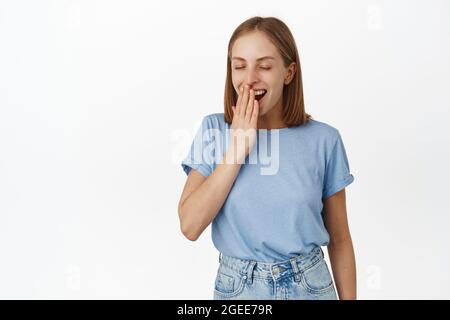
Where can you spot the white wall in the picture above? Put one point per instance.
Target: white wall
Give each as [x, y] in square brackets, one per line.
[99, 101]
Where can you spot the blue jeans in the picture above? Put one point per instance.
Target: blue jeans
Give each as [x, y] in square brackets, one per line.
[304, 277]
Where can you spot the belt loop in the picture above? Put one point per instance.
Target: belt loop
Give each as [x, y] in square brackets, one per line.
[296, 270]
[249, 275]
[220, 257]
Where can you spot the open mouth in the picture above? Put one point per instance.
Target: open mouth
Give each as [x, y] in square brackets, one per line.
[259, 94]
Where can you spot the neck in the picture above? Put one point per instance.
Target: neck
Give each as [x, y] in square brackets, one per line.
[272, 119]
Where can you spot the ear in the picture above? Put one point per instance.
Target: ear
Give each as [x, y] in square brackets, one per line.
[290, 73]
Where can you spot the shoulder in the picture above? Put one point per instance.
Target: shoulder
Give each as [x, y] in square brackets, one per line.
[323, 131]
[214, 121]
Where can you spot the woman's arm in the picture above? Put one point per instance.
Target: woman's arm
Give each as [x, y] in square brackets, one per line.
[340, 248]
[202, 197]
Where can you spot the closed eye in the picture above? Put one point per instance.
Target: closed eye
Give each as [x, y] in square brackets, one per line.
[264, 68]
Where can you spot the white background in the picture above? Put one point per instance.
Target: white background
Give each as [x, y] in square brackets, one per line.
[99, 101]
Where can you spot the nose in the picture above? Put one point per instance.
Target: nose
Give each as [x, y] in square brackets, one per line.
[249, 84]
[252, 78]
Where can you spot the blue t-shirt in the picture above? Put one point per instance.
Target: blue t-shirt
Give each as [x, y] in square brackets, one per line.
[274, 209]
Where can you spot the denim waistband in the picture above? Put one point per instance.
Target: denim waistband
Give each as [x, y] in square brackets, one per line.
[275, 270]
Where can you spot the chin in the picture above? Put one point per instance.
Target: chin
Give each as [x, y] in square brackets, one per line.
[261, 112]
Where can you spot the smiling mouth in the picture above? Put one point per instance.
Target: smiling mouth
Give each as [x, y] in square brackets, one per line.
[261, 95]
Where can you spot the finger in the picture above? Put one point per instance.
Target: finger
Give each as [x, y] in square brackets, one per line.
[255, 113]
[248, 112]
[244, 101]
[239, 101]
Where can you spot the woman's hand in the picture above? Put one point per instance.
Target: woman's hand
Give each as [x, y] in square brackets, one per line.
[244, 125]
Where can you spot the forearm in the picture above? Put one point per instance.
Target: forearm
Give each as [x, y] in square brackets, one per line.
[201, 207]
[343, 264]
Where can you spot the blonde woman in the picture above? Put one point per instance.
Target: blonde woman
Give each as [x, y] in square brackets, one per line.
[270, 211]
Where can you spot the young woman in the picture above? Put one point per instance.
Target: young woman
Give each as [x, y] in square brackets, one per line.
[271, 216]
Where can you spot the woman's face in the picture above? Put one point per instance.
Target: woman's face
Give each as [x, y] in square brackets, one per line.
[255, 61]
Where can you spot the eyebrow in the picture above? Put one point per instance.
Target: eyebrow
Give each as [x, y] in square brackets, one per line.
[259, 59]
